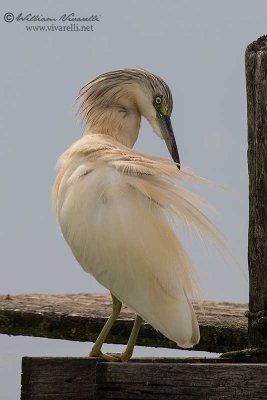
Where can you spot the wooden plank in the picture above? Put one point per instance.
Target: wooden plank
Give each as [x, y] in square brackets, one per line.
[181, 381]
[80, 317]
[58, 378]
[256, 79]
[142, 379]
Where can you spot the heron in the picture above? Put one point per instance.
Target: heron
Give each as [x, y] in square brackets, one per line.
[116, 206]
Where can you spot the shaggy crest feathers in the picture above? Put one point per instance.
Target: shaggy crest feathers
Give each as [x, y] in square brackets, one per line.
[100, 91]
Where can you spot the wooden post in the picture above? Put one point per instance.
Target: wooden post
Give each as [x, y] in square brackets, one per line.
[256, 78]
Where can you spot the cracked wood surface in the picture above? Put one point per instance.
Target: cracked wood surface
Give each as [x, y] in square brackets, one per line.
[80, 317]
[256, 83]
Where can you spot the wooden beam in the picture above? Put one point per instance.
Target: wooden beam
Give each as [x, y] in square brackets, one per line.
[80, 317]
[142, 379]
[256, 78]
[58, 378]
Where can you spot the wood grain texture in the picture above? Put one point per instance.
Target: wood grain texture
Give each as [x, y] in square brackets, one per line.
[58, 378]
[256, 81]
[142, 379]
[80, 317]
[181, 381]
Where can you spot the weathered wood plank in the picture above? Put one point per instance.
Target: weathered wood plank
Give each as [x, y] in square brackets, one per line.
[58, 378]
[256, 80]
[181, 381]
[157, 379]
[80, 317]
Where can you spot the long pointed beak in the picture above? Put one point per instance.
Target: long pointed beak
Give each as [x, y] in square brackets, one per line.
[168, 136]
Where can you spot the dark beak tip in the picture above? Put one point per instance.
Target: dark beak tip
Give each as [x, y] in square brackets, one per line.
[170, 139]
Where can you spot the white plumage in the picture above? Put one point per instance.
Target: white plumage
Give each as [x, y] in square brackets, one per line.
[114, 207]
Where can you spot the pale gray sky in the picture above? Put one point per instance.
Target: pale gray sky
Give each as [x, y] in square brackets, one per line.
[198, 48]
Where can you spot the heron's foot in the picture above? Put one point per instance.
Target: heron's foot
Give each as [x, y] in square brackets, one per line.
[105, 356]
[122, 357]
[113, 357]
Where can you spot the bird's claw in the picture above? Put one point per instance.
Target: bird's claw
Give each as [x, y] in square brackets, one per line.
[124, 356]
[113, 357]
[104, 356]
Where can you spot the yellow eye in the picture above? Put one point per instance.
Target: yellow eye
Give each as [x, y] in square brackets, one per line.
[158, 100]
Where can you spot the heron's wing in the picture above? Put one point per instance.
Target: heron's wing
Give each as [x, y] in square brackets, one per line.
[152, 176]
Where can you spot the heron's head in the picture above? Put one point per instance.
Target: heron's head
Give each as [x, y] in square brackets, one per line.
[113, 103]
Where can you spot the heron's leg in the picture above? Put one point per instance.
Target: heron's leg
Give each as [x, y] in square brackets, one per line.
[96, 349]
[128, 352]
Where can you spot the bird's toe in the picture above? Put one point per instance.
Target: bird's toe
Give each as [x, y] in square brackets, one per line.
[105, 356]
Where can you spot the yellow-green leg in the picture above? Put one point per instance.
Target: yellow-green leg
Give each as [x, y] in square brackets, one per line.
[96, 349]
[128, 352]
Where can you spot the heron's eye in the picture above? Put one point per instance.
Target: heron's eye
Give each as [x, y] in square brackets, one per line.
[158, 100]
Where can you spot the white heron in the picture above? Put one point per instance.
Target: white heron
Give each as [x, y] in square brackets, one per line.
[113, 206]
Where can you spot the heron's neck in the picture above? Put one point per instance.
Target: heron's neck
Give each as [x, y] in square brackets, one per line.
[120, 122]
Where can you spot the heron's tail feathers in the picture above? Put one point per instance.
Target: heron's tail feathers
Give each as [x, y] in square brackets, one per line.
[173, 316]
